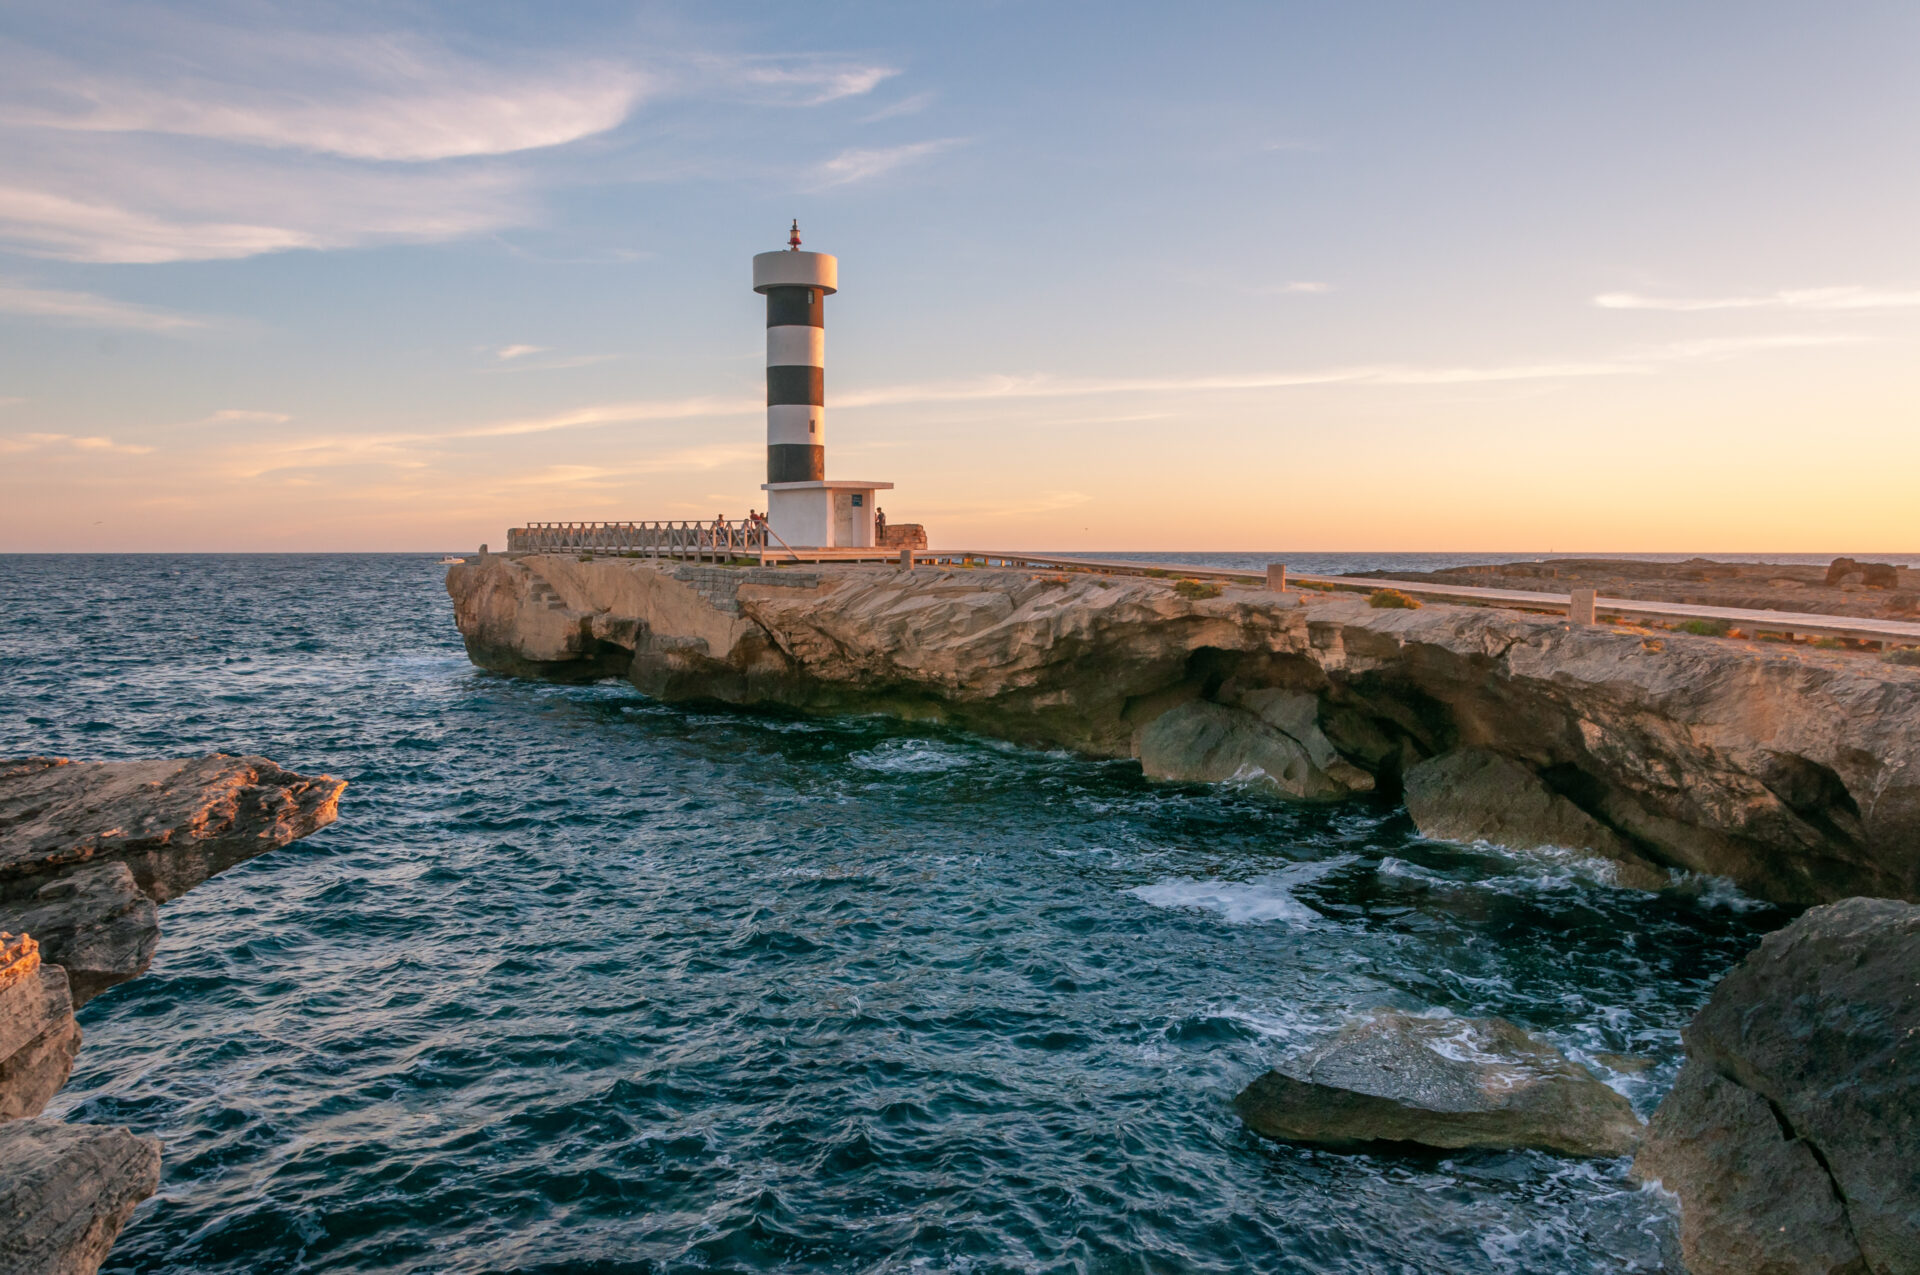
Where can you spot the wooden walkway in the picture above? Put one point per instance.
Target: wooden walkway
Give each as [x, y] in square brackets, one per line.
[1792, 623]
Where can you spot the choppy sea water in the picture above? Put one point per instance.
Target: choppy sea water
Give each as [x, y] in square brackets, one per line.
[581, 982]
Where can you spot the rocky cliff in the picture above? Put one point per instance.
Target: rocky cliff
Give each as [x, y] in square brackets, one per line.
[87, 852]
[1792, 1136]
[1796, 773]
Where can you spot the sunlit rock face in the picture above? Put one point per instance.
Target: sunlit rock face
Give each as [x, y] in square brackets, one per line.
[38, 1037]
[1795, 773]
[1790, 1136]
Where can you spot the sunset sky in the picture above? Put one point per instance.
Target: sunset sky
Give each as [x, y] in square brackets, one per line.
[1627, 276]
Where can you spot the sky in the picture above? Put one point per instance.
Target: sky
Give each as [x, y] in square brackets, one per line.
[1465, 276]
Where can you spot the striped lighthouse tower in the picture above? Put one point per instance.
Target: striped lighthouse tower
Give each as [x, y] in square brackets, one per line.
[796, 285]
[803, 506]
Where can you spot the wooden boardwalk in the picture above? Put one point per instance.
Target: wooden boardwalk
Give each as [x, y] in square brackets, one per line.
[1795, 623]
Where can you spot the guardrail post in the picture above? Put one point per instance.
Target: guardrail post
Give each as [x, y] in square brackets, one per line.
[1277, 576]
[1580, 607]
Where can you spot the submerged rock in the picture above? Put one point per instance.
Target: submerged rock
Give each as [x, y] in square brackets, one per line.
[65, 1192]
[1441, 1082]
[1473, 795]
[1792, 1135]
[38, 1037]
[87, 849]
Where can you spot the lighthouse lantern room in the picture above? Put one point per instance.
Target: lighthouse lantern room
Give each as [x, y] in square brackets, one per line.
[804, 507]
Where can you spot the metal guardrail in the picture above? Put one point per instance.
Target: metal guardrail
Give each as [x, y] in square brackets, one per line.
[1751, 620]
[686, 541]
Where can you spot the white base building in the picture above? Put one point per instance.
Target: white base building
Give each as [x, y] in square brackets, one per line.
[826, 513]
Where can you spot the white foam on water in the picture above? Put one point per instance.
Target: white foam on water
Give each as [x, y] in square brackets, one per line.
[1264, 898]
[1718, 894]
[913, 757]
[1545, 870]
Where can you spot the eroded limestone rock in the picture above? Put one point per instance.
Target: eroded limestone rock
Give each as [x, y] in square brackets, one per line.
[65, 1192]
[1204, 742]
[1441, 1082]
[1794, 772]
[1793, 1134]
[173, 823]
[87, 849]
[1473, 795]
[95, 923]
[38, 1037]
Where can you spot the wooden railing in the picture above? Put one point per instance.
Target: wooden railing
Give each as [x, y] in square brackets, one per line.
[716, 541]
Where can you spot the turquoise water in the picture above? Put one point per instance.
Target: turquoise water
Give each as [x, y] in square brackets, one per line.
[584, 983]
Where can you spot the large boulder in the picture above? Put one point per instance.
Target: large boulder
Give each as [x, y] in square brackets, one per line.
[1204, 742]
[1441, 1082]
[1792, 1136]
[1470, 795]
[38, 1037]
[65, 1192]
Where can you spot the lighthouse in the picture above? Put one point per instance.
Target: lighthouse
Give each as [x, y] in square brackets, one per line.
[804, 507]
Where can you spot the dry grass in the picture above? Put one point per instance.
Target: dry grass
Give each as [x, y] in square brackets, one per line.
[1394, 600]
[1196, 589]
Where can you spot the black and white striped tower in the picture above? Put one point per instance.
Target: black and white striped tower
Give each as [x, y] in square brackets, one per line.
[796, 285]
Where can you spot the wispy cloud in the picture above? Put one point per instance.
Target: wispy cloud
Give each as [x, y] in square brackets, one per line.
[87, 310]
[177, 138]
[1732, 346]
[1847, 298]
[559, 364]
[246, 416]
[68, 442]
[862, 165]
[805, 81]
[413, 449]
[114, 200]
[912, 104]
[521, 358]
[362, 96]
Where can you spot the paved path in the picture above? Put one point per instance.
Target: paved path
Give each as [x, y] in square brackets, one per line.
[1897, 632]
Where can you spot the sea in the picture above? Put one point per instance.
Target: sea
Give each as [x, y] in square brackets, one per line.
[585, 982]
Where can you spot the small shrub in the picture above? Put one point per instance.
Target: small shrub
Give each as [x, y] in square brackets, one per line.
[1158, 573]
[1907, 655]
[1394, 600]
[586, 557]
[1196, 589]
[1829, 644]
[1705, 628]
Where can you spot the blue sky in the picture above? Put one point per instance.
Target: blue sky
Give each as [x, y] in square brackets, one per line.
[1421, 276]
